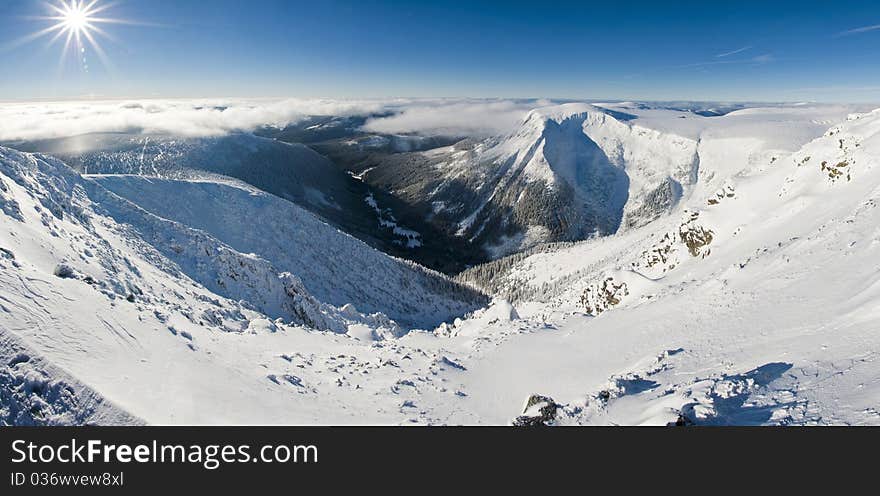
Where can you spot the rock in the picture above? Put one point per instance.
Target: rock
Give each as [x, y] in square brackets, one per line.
[64, 271]
[681, 421]
[538, 411]
[445, 361]
[599, 297]
[695, 236]
[837, 170]
[349, 310]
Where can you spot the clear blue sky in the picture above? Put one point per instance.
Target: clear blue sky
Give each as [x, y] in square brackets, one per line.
[824, 51]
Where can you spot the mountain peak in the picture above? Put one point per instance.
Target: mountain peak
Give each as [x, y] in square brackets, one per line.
[563, 112]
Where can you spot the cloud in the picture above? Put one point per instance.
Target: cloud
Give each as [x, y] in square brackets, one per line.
[733, 52]
[763, 59]
[456, 118]
[200, 118]
[863, 29]
[837, 89]
[31, 121]
[760, 59]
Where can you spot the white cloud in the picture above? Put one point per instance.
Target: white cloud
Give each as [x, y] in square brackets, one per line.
[863, 29]
[27, 121]
[198, 118]
[733, 52]
[456, 118]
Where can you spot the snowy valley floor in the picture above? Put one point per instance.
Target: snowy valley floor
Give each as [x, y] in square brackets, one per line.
[755, 302]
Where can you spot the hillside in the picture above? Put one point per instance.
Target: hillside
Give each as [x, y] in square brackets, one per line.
[127, 299]
[291, 171]
[98, 289]
[751, 305]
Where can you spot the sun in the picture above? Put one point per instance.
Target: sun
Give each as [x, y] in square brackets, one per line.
[75, 17]
[77, 23]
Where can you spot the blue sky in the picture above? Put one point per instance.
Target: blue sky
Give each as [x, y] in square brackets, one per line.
[758, 51]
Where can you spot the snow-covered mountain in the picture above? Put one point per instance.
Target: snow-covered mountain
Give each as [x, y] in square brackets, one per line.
[578, 170]
[737, 285]
[291, 171]
[756, 297]
[183, 255]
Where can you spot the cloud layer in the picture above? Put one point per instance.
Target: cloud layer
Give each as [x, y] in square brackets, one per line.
[34, 121]
[184, 118]
[462, 118]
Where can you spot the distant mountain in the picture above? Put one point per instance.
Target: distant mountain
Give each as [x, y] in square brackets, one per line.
[290, 171]
[568, 173]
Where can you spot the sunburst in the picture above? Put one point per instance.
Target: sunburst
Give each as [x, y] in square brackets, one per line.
[75, 17]
[77, 22]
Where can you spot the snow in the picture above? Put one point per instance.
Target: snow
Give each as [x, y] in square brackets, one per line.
[292, 240]
[577, 170]
[409, 238]
[753, 300]
[757, 305]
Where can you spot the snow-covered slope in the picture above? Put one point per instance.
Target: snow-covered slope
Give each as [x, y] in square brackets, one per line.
[333, 267]
[95, 282]
[290, 171]
[751, 302]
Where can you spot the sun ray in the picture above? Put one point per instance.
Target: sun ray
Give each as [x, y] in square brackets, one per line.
[96, 9]
[57, 36]
[31, 37]
[65, 50]
[77, 25]
[102, 56]
[103, 34]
